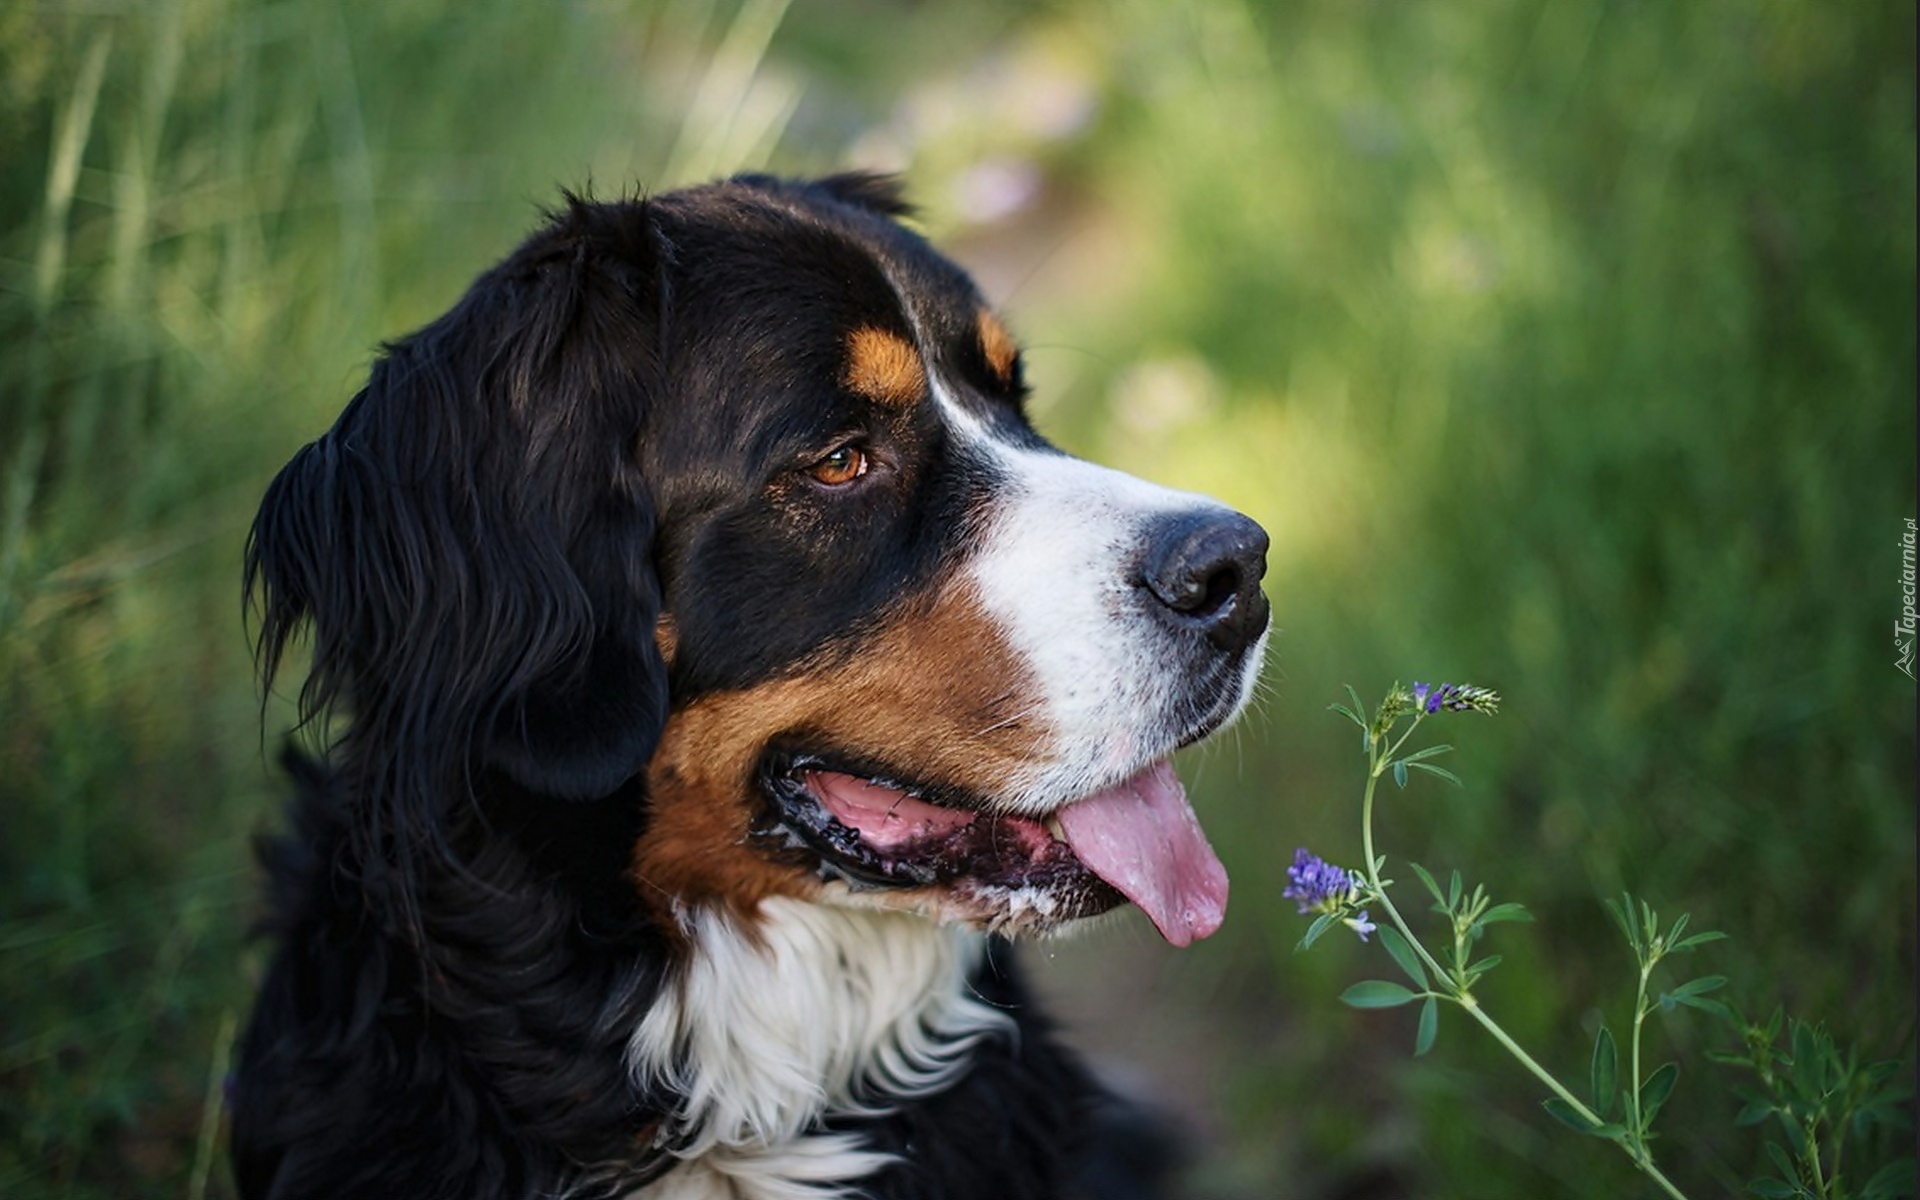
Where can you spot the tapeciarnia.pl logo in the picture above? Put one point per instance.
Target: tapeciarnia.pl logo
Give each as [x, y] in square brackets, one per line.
[1903, 629]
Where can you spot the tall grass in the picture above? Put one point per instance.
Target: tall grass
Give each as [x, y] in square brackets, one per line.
[1566, 347]
[209, 214]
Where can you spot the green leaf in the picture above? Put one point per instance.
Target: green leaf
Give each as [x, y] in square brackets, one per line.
[1753, 1114]
[1400, 773]
[1403, 954]
[1686, 992]
[1889, 1108]
[1623, 916]
[1698, 939]
[1893, 1181]
[1795, 1134]
[1782, 1163]
[1439, 898]
[1359, 705]
[1319, 926]
[1654, 1093]
[1773, 1189]
[1442, 772]
[1806, 1061]
[1569, 1116]
[1429, 752]
[1483, 966]
[1453, 892]
[1377, 993]
[1505, 912]
[1881, 1094]
[1605, 1071]
[1429, 1027]
[1565, 1113]
[1679, 927]
[1348, 713]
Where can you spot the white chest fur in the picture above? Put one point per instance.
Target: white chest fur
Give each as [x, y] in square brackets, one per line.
[809, 1011]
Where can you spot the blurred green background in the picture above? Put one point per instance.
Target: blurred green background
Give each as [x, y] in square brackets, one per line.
[1564, 346]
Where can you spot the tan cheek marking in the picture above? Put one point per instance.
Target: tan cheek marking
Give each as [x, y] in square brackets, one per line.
[666, 637]
[698, 846]
[937, 693]
[884, 367]
[998, 346]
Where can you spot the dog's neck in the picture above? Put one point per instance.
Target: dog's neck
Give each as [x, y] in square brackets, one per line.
[806, 1012]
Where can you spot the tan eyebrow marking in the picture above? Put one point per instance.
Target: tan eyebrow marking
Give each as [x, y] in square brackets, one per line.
[998, 346]
[884, 367]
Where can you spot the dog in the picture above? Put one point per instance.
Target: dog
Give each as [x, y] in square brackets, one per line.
[712, 668]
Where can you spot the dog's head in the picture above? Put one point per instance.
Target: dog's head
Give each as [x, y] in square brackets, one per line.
[723, 503]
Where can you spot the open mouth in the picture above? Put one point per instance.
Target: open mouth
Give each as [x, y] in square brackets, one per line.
[1137, 840]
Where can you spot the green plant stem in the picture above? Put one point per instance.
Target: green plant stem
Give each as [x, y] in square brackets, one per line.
[1373, 880]
[1812, 1157]
[1633, 1081]
[1466, 1000]
[1839, 1147]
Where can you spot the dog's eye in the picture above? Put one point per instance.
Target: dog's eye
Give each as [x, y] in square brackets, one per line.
[840, 467]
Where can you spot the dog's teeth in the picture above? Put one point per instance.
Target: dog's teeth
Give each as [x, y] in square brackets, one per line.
[1054, 827]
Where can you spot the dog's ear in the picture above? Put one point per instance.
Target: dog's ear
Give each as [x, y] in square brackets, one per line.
[472, 541]
[882, 194]
[871, 190]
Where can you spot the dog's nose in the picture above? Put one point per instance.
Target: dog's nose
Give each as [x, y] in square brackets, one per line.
[1204, 569]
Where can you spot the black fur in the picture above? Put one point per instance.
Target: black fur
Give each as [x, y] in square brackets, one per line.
[481, 547]
[1037, 1127]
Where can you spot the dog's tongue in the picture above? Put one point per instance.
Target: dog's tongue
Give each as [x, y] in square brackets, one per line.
[1141, 836]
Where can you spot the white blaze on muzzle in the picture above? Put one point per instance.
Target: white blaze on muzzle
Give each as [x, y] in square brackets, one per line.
[1059, 569]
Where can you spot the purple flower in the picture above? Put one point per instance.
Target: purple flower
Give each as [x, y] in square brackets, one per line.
[1454, 697]
[1328, 891]
[1317, 883]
